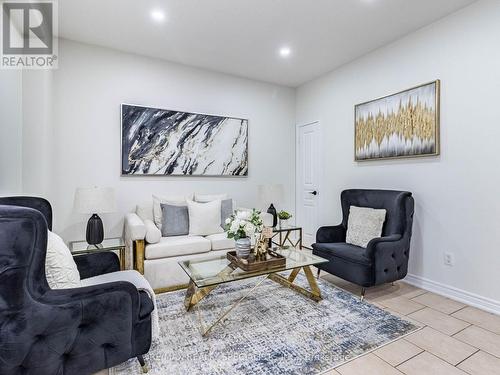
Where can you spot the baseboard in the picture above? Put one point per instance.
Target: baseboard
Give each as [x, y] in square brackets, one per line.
[460, 295]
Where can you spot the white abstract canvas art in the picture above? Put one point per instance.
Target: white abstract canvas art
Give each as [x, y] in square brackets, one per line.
[405, 124]
[165, 142]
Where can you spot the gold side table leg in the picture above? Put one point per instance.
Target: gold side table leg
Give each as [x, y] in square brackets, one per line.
[122, 259]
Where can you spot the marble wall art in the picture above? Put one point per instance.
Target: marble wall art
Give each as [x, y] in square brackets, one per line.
[174, 143]
[405, 124]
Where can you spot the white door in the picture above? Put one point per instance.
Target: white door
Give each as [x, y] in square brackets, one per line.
[308, 172]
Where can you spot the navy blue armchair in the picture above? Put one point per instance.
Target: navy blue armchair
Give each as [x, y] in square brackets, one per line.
[385, 259]
[63, 331]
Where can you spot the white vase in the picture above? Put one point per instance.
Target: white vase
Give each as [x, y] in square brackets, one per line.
[243, 247]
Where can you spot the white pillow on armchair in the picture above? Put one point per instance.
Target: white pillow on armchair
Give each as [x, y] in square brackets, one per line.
[60, 267]
[364, 224]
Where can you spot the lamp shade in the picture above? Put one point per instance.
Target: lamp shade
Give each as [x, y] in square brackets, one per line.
[95, 200]
[268, 194]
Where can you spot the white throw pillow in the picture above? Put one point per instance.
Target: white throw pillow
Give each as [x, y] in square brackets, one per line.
[145, 211]
[153, 234]
[203, 198]
[204, 218]
[364, 224]
[60, 267]
[172, 199]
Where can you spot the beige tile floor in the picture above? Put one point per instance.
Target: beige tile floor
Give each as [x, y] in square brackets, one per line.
[456, 338]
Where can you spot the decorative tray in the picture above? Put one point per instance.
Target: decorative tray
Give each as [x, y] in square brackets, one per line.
[274, 260]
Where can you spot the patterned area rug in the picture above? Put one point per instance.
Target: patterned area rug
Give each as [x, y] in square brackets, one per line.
[275, 331]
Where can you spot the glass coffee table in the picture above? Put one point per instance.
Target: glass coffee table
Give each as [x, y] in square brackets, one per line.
[208, 273]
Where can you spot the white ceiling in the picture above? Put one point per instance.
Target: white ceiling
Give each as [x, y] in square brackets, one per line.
[242, 37]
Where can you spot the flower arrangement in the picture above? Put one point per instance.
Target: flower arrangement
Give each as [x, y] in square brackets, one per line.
[283, 215]
[243, 224]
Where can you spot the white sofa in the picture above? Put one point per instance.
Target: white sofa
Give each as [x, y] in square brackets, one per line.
[157, 257]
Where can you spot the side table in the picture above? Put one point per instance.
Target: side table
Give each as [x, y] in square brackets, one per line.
[108, 244]
[281, 236]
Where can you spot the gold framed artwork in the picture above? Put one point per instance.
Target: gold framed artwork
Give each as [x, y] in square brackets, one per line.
[401, 125]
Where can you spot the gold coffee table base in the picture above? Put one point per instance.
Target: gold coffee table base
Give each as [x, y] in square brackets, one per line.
[194, 294]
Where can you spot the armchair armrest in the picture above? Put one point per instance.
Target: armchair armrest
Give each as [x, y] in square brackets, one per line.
[115, 304]
[122, 288]
[383, 243]
[390, 257]
[331, 234]
[90, 265]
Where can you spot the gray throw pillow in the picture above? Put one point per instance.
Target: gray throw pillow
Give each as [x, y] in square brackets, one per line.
[175, 220]
[226, 210]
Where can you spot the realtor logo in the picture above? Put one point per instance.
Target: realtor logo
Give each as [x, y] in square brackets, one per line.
[28, 30]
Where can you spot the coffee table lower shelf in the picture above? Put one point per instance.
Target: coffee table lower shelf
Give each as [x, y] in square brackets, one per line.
[194, 294]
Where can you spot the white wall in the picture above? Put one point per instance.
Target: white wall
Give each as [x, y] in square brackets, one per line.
[456, 194]
[88, 88]
[38, 133]
[10, 132]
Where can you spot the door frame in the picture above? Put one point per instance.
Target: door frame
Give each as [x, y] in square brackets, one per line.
[320, 173]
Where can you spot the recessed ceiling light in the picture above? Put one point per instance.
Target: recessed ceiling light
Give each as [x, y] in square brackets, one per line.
[158, 15]
[285, 51]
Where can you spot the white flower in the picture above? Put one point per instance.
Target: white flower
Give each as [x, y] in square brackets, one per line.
[228, 220]
[235, 225]
[250, 229]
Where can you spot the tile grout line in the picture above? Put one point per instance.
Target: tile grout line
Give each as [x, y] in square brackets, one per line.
[438, 330]
[402, 339]
[463, 360]
[384, 307]
[374, 350]
[444, 360]
[451, 314]
[463, 329]
[477, 326]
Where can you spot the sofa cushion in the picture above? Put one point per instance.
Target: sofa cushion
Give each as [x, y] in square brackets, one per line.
[170, 199]
[175, 220]
[348, 252]
[204, 218]
[226, 206]
[226, 210]
[177, 245]
[204, 198]
[220, 241]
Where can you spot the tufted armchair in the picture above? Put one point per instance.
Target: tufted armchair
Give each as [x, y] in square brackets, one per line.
[63, 331]
[385, 259]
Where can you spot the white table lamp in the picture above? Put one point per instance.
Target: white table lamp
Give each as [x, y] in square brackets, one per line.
[271, 194]
[95, 200]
